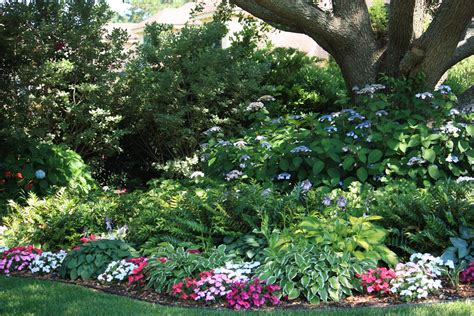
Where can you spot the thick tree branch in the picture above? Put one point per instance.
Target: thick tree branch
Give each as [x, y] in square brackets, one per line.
[268, 16]
[344, 8]
[432, 52]
[463, 51]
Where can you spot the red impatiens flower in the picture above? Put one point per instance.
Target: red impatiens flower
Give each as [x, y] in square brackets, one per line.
[163, 259]
[8, 174]
[91, 237]
[29, 186]
[18, 175]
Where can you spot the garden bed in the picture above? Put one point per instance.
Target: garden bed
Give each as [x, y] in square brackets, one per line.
[463, 292]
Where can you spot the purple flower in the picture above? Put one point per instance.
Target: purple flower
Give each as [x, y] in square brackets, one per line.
[327, 200]
[341, 202]
[306, 185]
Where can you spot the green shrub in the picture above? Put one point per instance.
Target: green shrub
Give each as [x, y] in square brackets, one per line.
[393, 135]
[92, 258]
[178, 264]
[41, 168]
[301, 83]
[358, 236]
[461, 249]
[58, 221]
[57, 74]
[315, 273]
[379, 18]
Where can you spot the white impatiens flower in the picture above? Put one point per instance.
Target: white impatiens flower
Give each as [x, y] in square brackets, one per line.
[3, 249]
[117, 271]
[47, 262]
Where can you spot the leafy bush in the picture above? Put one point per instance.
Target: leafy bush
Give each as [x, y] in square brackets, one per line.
[57, 75]
[92, 258]
[317, 273]
[369, 144]
[301, 83]
[357, 236]
[195, 83]
[379, 18]
[423, 219]
[58, 221]
[41, 168]
[178, 264]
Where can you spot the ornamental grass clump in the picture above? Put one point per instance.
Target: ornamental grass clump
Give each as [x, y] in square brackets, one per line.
[17, 258]
[47, 262]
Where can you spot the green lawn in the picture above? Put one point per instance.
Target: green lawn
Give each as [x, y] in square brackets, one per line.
[20, 296]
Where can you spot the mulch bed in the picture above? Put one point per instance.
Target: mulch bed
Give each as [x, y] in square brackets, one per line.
[463, 292]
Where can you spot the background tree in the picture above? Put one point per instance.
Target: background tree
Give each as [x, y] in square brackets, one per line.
[344, 29]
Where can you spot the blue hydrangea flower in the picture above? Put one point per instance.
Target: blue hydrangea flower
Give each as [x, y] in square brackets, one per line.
[452, 158]
[260, 137]
[40, 174]
[266, 145]
[350, 111]
[356, 116]
[234, 174]
[424, 95]
[415, 161]
[325, 118]
[212, 130]
[381, 113]
[368, 89]
[352, 134]
[300, 149]
[365, 124]
[330, 129]
[454, 112]
[221, 142]
[296, 117]
[284, 176]
[244, 158]
[444, 89]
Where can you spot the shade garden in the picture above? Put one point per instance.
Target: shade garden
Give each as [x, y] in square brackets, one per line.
[160, 176]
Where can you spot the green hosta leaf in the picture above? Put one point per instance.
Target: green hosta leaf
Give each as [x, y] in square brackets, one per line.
[323, 294]
[294, 293]
[470, 129]
[334, 283]
[374, 156]
[362, 174]
[305, 281]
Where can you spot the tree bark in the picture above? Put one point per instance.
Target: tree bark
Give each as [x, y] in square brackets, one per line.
[346, 34]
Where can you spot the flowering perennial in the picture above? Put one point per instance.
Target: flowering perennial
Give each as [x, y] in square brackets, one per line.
[47, 262]
[17, 258]
[377, 280]
[117, 271]
[255, 293]
[467, 275]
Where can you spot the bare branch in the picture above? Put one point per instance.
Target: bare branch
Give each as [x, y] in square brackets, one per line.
[463, 51]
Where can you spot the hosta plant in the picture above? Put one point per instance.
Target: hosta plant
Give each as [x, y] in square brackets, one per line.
[316, 273]
[17, 258]
[47, 262]
[92, 258]
[357, 235]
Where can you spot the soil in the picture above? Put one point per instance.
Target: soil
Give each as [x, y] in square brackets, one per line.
[447, 294]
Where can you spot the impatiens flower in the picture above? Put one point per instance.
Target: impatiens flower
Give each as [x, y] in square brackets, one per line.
[18, 175]
[8, 174]
[40, 174]
[28, 186]
[163, 259]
